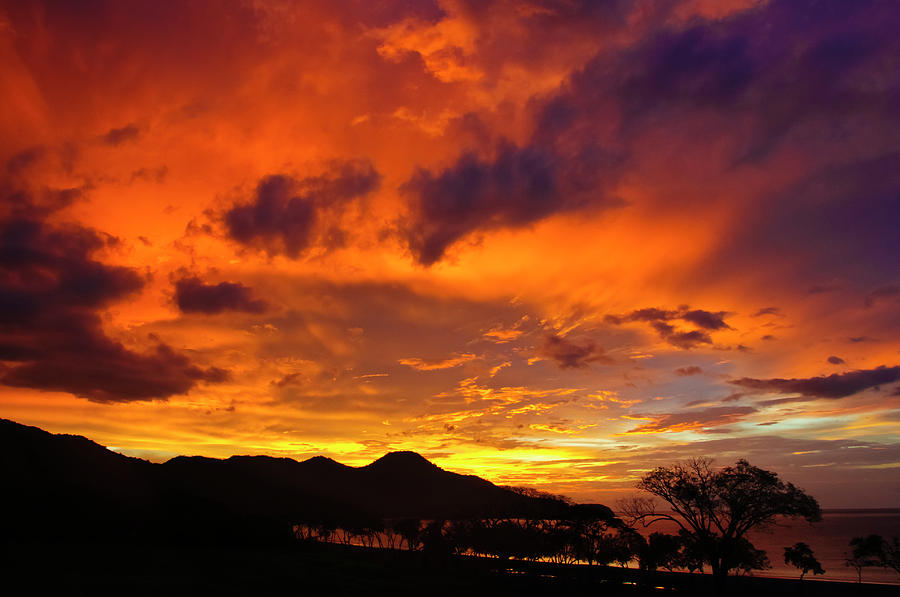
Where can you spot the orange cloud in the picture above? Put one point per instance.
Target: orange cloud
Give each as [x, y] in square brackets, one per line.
[434, 364]
[691, 420]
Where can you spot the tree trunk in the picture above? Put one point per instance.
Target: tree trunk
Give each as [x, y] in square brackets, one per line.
[720, 578]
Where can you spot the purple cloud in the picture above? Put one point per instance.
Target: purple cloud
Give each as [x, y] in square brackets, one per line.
[837, 385]
[192, 295]
[571, 355]
[287, 216]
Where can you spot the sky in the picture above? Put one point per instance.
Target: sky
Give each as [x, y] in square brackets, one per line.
[554, 243]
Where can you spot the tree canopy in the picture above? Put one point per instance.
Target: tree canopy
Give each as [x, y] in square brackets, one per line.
[800, 556]
[715, 508]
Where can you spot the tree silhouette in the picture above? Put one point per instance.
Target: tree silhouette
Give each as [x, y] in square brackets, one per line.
[690, 557]
[867, 551]
[800, 556]
[408, 529]
[891, 554]
[459, 535]
[435, 543]
[623, 546]
[716, 508]
[745, 558]
[659, 551]
[590, 534]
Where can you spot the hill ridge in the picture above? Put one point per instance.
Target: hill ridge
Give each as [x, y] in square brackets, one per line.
[100, 492]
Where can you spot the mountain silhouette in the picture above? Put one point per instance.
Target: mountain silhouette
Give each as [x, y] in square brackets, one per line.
[406, 484]
[402, 460]
[61, 487]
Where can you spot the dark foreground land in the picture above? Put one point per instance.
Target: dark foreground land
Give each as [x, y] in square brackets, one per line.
[321, 569]
[78, 519]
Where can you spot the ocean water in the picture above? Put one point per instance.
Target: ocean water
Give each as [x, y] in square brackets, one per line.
[829, 540]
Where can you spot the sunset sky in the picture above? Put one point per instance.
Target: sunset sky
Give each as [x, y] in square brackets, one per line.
[553, 243]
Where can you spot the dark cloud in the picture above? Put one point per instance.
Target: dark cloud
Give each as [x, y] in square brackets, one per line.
[17, 202]
[382, 14]
[836, 360]
[515, 187]
[116, 137]
[706, 319]
[193, 296]
[702, 66]
[685, 339]
[51, 335]
[769, 66]
[686, 371]
[805, 88]
[571, 355]
[562, 167]
[858, 339]
[290, 379]
[884, 293]
[652, 314]
[25, 158]
[97, 368]
[688, 340]
[822, 288]
[837, 385]
[830, 221]
[786, 72]
[157, 175]
[49, 268]
[781, 401]
[22, 198]
[767, 311]
[692, 420]
[287, 216]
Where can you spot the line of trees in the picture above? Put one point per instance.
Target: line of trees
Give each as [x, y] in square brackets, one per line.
[587, 533]
[583, 536]
[714, 510]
